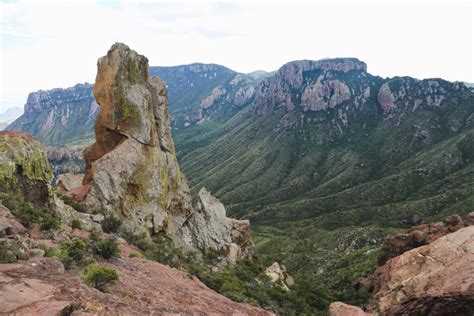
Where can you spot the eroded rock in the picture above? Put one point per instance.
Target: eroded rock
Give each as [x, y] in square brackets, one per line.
[277, 274]
[132, 171]
[25, 173]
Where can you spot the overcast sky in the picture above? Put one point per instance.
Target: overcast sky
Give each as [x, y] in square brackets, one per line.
[56, 44]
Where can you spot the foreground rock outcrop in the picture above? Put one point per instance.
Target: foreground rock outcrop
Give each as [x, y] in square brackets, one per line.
[396, 244]
[25, 173]
[436, 278]
[132, 171]
[31, 284]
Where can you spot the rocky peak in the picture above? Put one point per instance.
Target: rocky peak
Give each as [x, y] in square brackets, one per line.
[292, 87]
[132, 171]
[293, 71]
[409, 94]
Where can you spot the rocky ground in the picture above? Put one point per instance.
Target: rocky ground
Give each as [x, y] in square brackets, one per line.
[42, 286]
[432, 274]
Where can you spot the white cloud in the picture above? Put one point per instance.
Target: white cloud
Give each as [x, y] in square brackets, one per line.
[56, 44]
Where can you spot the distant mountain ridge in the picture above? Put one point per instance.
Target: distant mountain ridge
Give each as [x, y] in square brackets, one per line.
[9, 116]
[47, 113]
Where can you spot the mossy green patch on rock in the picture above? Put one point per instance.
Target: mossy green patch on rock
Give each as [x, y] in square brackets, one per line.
[24, 169]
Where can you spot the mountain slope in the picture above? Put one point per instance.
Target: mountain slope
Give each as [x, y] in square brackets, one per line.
[325, 159]
[328, 159]
[59, 116]
[307, 156]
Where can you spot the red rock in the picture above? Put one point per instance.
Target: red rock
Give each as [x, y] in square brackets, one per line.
[341, 309]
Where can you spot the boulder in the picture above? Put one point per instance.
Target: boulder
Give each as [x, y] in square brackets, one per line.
[277, 274]
[341, 309]
[435, 279]
[24, 170]
[396, 244]
[209, 228]
[68, 181]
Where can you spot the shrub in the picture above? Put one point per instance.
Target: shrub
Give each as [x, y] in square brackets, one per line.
[11, 252]
[111, 224]
[69, 201]
[94, 234]
[50, 251]
[99, 277]
[76, 224]
[8, 201]
[107, 248]
[27, 215]
[135, 255]
[73, 252]
[49, 222]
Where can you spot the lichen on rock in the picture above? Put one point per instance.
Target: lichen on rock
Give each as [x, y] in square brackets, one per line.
[131, 169]
[25, 172]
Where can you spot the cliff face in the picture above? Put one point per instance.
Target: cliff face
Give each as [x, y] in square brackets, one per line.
[432, 273]
[25, 173]
[59, 116]
[131, 169]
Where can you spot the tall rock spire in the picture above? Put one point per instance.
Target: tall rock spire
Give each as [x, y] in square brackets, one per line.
[132, 171]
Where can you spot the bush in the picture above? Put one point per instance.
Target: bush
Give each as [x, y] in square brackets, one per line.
[8, 201]
[49, 222]
[10, 251]
[27, 215]
[73, 252]
[111, 224]
[107, 248]
[135, 255]
[94, 235]
[99, 277]
[76, 224]
[50, 251]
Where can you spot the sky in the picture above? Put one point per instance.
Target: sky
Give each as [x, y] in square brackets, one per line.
[54, 44]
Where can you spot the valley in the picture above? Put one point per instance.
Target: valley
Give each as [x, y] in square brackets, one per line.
[323, 158]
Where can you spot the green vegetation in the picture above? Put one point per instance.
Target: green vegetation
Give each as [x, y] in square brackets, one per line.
[107, 248]
[161, 249]
[77, 206]
[27, 215]
[76, 224]
[10, 251]
[306, 179]
[73, 252]
[243, 282]
[111, 224]
[135, 255]
[99, 277]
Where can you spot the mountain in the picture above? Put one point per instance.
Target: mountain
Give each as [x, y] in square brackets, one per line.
[325, 138]
[64, 245]
[59, 116]
[55, 260]
[9, 116]
[325, 159]
[328, 159]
